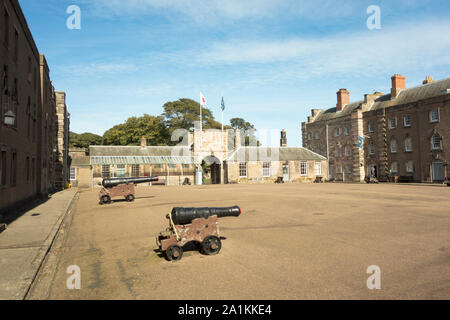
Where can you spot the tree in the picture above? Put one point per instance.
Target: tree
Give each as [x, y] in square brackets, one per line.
[84, 140]
[182, 114]
[239, 123]
[131, 132]
[248, 128]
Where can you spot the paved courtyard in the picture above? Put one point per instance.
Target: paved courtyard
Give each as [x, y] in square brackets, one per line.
[299, 241]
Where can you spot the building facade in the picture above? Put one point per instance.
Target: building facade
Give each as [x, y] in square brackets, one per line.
[403, 134]
[208, 157]
[28, 123]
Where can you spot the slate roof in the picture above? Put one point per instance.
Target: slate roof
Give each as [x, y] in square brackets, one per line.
[332, 114]
[409, 95]
[113, 155]
[421, 92]
[81, 162]
[267, 154]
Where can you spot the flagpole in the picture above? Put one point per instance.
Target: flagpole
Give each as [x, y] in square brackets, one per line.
[201, 122]
[222, 131]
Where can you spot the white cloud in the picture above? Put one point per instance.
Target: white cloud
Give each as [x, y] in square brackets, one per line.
[397, 49]
[421, 45]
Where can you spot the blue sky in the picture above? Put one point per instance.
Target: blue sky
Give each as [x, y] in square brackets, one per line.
[272, 60]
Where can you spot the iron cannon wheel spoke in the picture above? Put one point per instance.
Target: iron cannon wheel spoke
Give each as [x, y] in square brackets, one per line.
[174, 253]
[211, 245]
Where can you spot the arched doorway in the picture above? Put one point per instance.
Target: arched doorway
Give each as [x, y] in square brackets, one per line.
[211, 170]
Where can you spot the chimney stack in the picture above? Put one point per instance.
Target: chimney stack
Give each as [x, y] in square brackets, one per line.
[398, 84]
[343, 98]
[143, 142]
[283, 141]
[428, 80]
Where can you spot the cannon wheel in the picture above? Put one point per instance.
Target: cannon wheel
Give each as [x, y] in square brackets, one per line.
[211, 246]
[106, 199]
[174, 253]
[130, 198]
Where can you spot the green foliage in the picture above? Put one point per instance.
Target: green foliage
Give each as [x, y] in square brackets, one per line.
[131, 132]
[248, 128]
[180, 114]
[84, 140]
[239, 123]
[183, 113]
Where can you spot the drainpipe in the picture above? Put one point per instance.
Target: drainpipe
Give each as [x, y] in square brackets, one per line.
[328, 156]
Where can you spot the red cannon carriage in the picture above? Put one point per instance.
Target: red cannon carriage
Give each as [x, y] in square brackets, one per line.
[121, 187]
[198, 225]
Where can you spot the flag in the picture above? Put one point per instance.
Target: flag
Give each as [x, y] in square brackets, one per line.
[223, 105]
[203, 101]
[361, 141]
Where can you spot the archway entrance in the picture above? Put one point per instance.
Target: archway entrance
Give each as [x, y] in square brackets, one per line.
[211, 170]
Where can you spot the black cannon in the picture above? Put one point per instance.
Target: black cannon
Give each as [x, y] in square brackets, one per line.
[121, 187]
[198, 225]
[183, 216]
[114, 182]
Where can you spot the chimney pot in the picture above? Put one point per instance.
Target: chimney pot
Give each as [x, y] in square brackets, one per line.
[427, 80]
[143, 142]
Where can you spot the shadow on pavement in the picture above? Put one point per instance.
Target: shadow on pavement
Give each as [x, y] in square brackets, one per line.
[11, 214]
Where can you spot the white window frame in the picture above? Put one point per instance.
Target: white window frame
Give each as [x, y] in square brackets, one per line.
[318, 168]
[73, 174]
[434, 112]
[304, 169]
[408, 145]
[433, 142]
[346, 131]
[371, 148]
[394, 167]
[407, 122]
[370, 128]
[392, 123]
[348, 151]
[393, 146]
[243, 169]
[310, 136]
[410, 166]
[133, 170]
[317, 135]
[121, 170]
[337, 132]
[267, 169]
[339, 169]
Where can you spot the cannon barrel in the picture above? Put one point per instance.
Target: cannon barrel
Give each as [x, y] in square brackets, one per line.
[183, 216]
[114, 182]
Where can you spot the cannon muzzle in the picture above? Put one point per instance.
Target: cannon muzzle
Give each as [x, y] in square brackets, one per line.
[114, 182]
[183, 216]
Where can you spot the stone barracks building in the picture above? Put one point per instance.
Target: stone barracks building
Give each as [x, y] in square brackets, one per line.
[405, 133]
[208, 158]
[34, 122]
